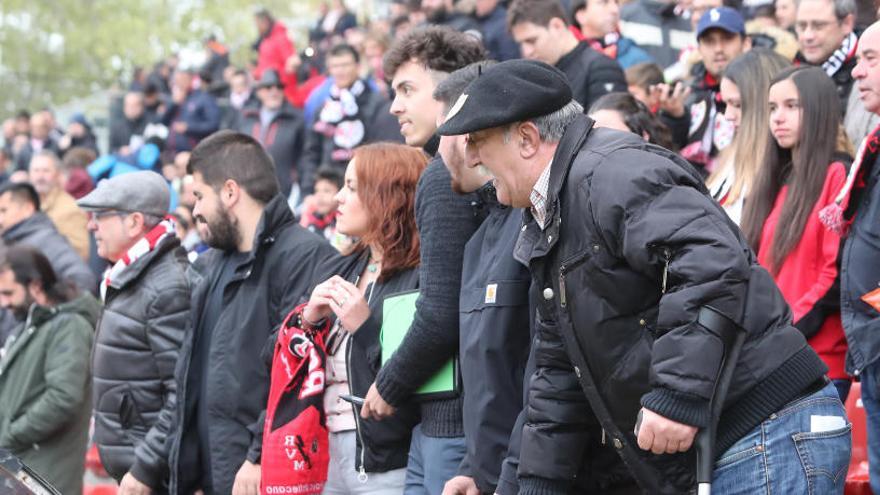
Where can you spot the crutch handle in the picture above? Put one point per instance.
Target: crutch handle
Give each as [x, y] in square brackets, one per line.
[732, 337]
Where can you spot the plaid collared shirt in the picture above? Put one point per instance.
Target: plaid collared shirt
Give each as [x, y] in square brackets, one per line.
[538, 196]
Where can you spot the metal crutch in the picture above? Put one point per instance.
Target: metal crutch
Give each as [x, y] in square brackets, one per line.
[731, 336]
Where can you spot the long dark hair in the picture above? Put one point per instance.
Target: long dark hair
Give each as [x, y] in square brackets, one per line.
[28, 264]
[802, 168]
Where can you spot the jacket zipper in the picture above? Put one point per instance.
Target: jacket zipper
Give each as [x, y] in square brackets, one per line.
[567, 266]
[666, 257]
[362, 473]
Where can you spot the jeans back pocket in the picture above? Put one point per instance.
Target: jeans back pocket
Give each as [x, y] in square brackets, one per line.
[825, 458]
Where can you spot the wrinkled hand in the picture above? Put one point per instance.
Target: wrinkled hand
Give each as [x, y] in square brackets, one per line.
[131, 486]
[664, 436]
[671, 99]
[375, 406]
[348, 303]
[247, 480]
[461, 485]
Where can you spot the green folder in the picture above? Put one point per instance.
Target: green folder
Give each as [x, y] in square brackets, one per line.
[398, 311]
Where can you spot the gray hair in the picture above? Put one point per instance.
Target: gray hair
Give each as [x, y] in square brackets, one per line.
[842, 8]
[552, 126]
[151, 220]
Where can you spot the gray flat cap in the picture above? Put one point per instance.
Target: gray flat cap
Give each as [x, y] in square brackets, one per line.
[144, 192]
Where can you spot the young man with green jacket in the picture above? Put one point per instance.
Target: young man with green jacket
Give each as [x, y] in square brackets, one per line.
[44, 369]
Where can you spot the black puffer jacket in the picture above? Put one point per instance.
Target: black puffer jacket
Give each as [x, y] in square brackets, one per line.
[38, 231]
[633, 248]
[146, 314]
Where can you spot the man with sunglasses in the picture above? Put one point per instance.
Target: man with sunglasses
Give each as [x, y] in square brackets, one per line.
[146, 309]
[279, 127]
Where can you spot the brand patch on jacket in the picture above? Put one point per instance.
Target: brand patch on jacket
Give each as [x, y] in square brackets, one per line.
[491, 293]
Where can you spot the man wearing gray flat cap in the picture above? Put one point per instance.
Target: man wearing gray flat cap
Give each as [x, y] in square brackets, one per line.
[146, 311]
[638, 272]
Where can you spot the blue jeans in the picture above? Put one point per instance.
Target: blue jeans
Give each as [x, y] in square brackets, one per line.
[871, 401]
[802, 449]
[432, 462]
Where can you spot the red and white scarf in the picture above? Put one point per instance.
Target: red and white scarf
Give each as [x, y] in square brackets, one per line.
[838, 215]
[147, 243]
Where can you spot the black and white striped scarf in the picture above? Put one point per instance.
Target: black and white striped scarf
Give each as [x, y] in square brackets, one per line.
[841, 55]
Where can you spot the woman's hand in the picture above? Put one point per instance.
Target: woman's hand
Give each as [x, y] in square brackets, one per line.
[348, 303]
[318, 307]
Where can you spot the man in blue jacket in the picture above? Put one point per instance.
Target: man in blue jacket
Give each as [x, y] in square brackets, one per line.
[191, 115]
[494, 315]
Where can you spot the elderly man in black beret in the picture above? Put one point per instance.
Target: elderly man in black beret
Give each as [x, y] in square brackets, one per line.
[629, 252]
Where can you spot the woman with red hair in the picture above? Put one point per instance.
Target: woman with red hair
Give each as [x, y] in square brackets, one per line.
[344, 318]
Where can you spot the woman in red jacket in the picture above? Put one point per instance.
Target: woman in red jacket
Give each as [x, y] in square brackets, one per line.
[800, 176]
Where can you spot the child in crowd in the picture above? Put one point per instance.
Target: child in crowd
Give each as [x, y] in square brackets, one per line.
[319, 214]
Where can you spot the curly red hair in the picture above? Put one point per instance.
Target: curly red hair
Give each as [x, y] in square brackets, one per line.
[387, 175]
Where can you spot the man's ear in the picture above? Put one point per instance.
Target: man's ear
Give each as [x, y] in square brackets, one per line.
[230, 193]
[556, 24]
[35, 290]
[848, 23]
[528, 139]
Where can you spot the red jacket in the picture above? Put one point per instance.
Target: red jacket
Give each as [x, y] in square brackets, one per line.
[273, 53]
[810, 271]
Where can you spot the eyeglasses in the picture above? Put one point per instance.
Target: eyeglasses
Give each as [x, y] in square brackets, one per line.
[97, 215]
[814, 25]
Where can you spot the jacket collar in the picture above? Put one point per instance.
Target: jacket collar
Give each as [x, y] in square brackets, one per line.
[276, 216]
[533, 242]
[133, 271]
[571, 143]
[432, 145]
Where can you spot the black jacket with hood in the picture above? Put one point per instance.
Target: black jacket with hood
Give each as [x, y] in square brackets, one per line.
[270, 280]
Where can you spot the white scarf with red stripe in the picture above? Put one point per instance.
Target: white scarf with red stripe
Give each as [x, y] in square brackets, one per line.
[166, 228]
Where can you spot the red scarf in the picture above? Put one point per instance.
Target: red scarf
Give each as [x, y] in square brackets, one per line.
[838, 216]
[145, 245]
[296, 452]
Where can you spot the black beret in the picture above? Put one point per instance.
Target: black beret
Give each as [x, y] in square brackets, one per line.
[508, 92]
